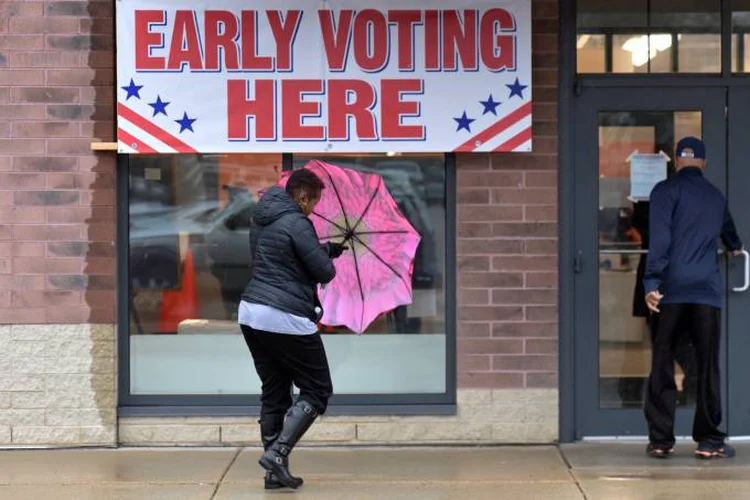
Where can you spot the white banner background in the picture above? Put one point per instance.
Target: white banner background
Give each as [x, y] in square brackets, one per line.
[163, 110]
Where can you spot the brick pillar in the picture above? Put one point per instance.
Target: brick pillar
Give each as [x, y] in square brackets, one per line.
[57, 224]
[507, 254]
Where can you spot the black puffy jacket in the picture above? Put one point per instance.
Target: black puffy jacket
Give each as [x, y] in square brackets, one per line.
[288, 260]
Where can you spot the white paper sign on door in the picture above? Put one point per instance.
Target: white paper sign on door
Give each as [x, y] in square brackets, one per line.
[646, 171]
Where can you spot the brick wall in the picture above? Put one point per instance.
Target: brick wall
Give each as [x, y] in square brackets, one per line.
[57, 223]
[507, 243]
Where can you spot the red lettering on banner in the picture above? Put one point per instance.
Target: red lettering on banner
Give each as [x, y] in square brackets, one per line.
[336, 40]
[432, 40]
[284, 32]
[371, 40]
[222, 30]
[145, 39]
[461, 39]
[185, 48]
[251, 61]
[262, 109]
[393, 109]
[295, 109]
[498, 51]
[405, 20]
[360, 107]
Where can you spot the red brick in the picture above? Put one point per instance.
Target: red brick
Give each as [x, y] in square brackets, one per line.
[524, 329]
[6, 198]
[4, 129]
[470, 329]
[68, 146]
[101, 232]
[67, 282]
[545, 128]
[540, 179]
[98, 94]
[47, 25]
[22, 146]
[542, 76]
[476, 263]
[542, 246]
[21, 76]
[490, 380]
[4, 94]
[525, 229]
[472, 161]
[97, 162]
[81, 76]
[28, 265]
[540, 196]
[489, 247]
[489, 213]
[490, 179]
[28, 249]
[543, 26]
[473, 196]
[63, 266]
[524, 363]
[473, 297]
[101, 299]
[45, 129]
[490, 313]
[46, 298]
[524, 297]
[473, 364]
[100, 59]
[67, 315]
[97, 26]
[542, 280]
[23, 111]
[100, 197]
[44, 60]
[540, 213]
[17, 315]
[5, 249]
[545, 145]
[541, 313]
[545, 94]
[44, 94]
[28, 282]
[80, 42]
[45, 164]
[545, 111]
[474, 230]
[5, 297]
[542, 380]
[7, 215]
[61, 181]
[12, 8]
[21, 42]
[102, 131]
[522, 263]
[103, 315]
[6, 266]
[101, 282]
[31, 215]
[541, 346]
[46, 198]
[68, 215]
[544, 42]
[100, 265]
[491, 280]
[67, 232]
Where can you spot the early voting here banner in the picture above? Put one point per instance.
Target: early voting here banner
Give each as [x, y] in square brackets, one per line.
[314, 76]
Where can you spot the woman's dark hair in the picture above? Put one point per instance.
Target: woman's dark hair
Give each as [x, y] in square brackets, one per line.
[304, 179]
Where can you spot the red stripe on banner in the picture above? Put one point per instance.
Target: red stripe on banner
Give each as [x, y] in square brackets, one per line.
[512, 143]
[496, 129]
[164, 136]
[134, 142]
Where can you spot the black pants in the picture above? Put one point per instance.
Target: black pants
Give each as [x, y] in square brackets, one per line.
[702, 323]
[282, 360]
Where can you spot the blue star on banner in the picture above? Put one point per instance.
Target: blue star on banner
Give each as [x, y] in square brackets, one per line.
[490, 106]
[186, 123]
[132, 90]
[516, 89]
[464, 122]
[160, 107]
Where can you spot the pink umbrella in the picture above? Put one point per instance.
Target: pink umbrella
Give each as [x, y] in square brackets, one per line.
[374, 275]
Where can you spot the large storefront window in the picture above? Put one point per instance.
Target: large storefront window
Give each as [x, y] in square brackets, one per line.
[190, 218]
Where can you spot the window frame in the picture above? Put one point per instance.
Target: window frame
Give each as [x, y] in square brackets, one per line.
[132, 405]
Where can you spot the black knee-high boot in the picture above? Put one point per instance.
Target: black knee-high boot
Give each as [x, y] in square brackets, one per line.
[276, 459]
[270, 428]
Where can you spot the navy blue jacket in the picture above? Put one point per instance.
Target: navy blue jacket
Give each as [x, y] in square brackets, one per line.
[688, 216]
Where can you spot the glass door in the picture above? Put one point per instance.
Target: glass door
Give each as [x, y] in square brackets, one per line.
[625, 140]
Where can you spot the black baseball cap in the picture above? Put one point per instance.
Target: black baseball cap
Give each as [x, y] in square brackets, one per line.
[691, 147]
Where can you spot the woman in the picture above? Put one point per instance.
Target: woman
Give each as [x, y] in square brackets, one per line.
[278, 316]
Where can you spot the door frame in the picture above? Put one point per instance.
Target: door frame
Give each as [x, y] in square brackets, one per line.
[591, 420]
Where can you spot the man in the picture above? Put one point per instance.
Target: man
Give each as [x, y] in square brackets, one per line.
[278, 316]
[683, 286]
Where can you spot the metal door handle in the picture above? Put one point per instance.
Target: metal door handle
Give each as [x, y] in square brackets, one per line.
[746, 286]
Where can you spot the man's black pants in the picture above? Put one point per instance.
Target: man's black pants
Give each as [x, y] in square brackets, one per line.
[282, 360]
[703, 324]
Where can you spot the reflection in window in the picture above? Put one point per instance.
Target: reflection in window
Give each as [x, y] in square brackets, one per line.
[740, 36]
[190, 217]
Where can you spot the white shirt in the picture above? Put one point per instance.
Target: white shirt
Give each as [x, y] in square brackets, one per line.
[269, 319]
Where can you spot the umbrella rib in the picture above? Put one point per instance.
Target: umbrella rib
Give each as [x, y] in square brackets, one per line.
[363, 233]
[338, 226]
[369, 204]
[382, 261]
[338, 196]
[361, 287]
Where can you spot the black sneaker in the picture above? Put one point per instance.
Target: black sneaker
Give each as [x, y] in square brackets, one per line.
[657, 451]
[708, 451]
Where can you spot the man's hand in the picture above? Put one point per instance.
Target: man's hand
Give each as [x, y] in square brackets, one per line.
[653, 299]
[336, 249]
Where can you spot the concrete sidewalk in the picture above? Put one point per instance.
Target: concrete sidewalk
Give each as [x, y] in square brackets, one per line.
[580, 471]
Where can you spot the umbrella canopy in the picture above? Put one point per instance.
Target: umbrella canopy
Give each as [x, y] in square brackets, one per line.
[374, 275]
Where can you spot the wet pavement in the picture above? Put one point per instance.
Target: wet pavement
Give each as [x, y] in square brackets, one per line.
[580, 471]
